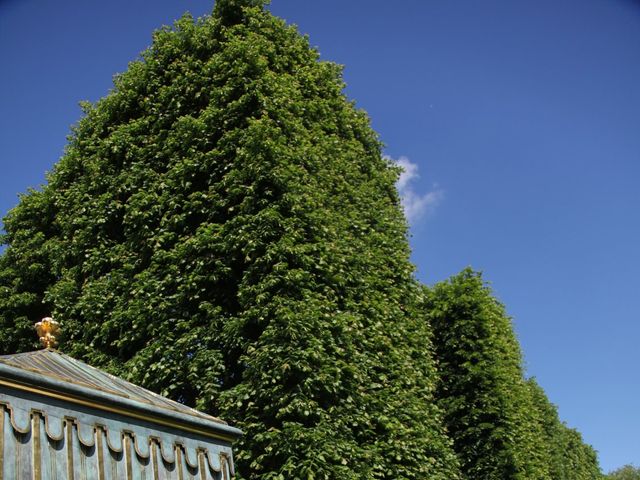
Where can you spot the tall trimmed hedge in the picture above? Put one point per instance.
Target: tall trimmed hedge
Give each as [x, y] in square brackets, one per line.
[224, 230]
[489, 410]
[570, 457]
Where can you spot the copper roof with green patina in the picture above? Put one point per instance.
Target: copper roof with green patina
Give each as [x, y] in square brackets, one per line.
[51, 364]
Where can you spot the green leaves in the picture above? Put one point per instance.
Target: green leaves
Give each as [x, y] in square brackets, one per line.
[233, 11]
[503, 426]
[569, 457]
[487, 405]
[224, 230]
[628, 472]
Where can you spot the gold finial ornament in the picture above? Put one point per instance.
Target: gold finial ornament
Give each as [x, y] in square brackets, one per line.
[48, 330]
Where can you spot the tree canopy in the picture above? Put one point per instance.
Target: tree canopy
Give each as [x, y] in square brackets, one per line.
[224, 230]
[628, 472]
[488, 408]
[570, 458]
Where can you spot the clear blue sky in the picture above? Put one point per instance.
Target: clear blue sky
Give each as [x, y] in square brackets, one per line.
[522, 120]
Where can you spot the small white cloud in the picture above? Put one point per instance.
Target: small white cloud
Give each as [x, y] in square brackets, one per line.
[409, 172]
[415, 205]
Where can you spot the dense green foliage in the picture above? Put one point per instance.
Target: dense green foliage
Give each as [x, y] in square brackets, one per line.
[488, 409]
[569, 457]
[504, 427]
[223, 229]
[628, 472]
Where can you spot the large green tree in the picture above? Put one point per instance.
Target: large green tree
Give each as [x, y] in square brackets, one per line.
[489, 410]
[223, 229]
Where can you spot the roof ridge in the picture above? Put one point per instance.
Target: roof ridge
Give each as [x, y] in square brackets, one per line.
[69, 370]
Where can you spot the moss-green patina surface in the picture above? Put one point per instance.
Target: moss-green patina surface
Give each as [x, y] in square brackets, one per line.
[62, 419]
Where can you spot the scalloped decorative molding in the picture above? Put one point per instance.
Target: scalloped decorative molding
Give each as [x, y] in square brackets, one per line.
[49, 441]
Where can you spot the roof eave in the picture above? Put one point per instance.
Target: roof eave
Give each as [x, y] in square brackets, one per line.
[24, 380]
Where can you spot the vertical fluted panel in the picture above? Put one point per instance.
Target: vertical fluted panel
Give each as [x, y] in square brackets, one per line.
[37, 445]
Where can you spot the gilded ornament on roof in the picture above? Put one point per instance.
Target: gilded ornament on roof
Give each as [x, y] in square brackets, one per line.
[48, 330]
